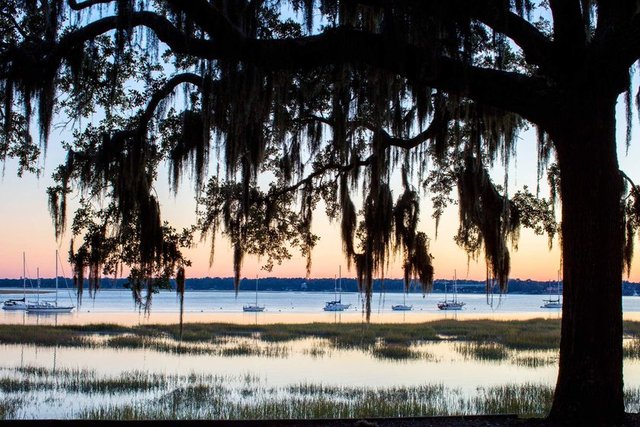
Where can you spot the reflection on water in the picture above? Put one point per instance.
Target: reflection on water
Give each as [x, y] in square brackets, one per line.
[293, 307]
[446, 377]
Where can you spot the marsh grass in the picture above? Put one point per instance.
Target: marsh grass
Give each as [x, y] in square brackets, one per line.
[9, 407]
[482, 351]
[632, 348]
[321, 401]
[214, 338]
[534, 360]
[530, 400]
[247, 396]
[395, 352]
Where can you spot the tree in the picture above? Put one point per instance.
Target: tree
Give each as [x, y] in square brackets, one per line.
[395, 82]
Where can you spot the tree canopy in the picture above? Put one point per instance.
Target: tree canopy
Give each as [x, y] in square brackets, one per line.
[350, 103]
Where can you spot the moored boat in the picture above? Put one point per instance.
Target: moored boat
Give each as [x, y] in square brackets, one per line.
[453, 304]
[48, 307]
[336, 304]
[21, 303]
[253, 308]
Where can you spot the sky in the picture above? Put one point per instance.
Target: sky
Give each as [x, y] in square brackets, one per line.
[25, 225]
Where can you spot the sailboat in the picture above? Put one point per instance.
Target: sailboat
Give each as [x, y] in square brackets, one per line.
[453, 304]
[403, 306]
[336, 304]
[19, 304]
[254, 308]
[49, 306]
[554, 302]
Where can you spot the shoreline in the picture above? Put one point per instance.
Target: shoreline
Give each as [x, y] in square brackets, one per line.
[27, 292]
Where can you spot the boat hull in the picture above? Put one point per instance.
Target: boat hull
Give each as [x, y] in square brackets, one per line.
[335, 306]
[252, 309]
[551, 304]
[401, 307]
[20, 306]
[50, 310]
[451, 306]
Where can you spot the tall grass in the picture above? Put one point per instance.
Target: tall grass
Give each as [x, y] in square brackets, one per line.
[482, 351]
[137, 395]
[320, 401]
[9, 407]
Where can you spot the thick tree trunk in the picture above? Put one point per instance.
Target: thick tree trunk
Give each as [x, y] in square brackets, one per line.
[590, 388]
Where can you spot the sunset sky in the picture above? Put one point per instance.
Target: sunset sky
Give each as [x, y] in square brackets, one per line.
[25, 225]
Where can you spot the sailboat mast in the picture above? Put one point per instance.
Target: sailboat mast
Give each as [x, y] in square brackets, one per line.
[455, 286]
[56, 277]
[38, 276]
[256, 289]
[340, 281]
[24, 278]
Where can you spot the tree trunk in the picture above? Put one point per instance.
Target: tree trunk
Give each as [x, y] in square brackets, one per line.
[589, 388]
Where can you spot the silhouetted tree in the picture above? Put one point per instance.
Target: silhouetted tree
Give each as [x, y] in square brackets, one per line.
[359, 90]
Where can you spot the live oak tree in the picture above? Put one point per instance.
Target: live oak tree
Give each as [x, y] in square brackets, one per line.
[344, 105]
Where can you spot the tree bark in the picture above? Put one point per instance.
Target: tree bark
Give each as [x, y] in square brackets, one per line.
[589, 389]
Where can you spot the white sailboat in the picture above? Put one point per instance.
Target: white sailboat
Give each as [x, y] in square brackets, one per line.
[19, 304]
[336, 304]
[49, 306]
[553, 302]
[403, 306]
[254, 308]
[453, 304]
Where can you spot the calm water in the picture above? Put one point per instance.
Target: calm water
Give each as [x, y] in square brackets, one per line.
[265, 377]
[117, 306]
[251, 379]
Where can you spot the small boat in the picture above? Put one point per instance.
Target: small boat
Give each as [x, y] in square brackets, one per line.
[453, 304]
[253, 308]
[18, 304]
[553, 302]
[14, 304]
[336, 304]
[48, 307]
[403, 306]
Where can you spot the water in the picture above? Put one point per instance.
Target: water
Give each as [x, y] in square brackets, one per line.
[306, 363]
[117, 306]
[250, 378]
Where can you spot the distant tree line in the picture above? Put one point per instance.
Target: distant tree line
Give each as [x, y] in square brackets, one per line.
[295, 284]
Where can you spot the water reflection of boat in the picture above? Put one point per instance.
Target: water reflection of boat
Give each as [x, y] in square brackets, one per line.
[47, 307]
[254, 308]
[553, 302]
[336, 304]
[21, 303]
[453, 304]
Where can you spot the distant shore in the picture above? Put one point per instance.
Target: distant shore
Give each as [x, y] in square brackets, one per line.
[20, 291]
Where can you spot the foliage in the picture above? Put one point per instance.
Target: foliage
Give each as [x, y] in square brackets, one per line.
[314, 132]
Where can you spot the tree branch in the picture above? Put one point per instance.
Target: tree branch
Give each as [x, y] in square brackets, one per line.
[76, 5]
[496, 14]
[209, 17]
[315, 174]
[507, 90]
[162, 93]
[568, 25]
